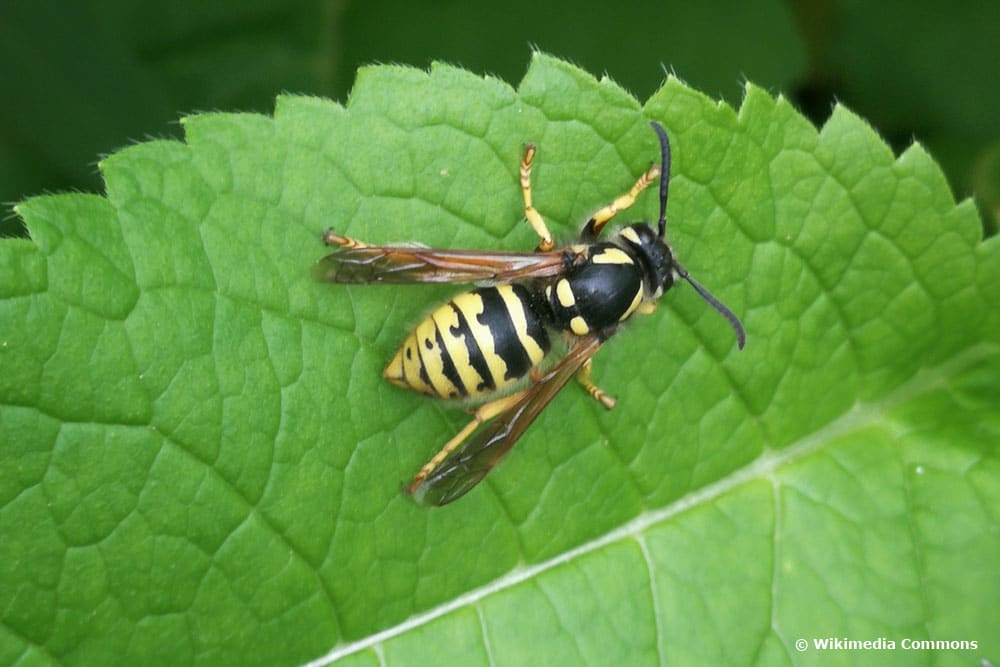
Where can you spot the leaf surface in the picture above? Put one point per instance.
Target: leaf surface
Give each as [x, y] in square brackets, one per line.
[201, 464]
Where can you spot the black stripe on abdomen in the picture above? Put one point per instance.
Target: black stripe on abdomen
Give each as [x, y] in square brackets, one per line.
[506, 341]
[448, 365]
[476, 358]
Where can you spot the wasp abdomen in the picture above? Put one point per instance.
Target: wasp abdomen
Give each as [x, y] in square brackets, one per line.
[479, 342]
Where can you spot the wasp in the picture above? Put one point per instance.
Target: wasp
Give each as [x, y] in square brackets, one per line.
[481, 343]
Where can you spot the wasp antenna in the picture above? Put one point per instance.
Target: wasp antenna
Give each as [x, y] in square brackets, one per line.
[664, 175]
[734, 322]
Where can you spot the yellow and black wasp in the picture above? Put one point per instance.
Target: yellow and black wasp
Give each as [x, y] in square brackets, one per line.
[482, 342]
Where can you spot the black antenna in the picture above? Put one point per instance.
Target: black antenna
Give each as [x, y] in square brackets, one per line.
[734, 322]
[664, 175]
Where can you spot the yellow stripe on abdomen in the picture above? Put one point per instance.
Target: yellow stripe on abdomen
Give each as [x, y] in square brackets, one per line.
[471, 306]
[519, 316]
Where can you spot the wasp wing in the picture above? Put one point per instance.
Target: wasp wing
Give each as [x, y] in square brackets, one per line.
[473, 461]
[406, 264]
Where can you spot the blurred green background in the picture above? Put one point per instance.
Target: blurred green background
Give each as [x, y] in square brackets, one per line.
[83, 78]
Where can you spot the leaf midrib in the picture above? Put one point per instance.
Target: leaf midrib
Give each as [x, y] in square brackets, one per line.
[860, 416]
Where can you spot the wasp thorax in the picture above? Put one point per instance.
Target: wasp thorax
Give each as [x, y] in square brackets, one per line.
[598, 294]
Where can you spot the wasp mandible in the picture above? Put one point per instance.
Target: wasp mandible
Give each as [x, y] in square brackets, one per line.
[483, 341]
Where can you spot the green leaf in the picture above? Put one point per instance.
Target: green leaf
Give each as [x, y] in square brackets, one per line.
[201, 464]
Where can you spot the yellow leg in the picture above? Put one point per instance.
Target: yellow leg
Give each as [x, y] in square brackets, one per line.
[601, 218]
[583, 377]
[533, 216]
[484, 413]
[331, 237]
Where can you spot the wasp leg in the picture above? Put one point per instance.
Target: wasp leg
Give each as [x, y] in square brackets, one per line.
[583, 377]
[646, 308]
[533, 216]
[596, 223]
[484, 413]
[331, 237]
